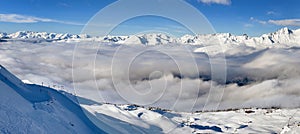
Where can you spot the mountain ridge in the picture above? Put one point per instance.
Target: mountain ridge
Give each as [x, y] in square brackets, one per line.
[282, 36]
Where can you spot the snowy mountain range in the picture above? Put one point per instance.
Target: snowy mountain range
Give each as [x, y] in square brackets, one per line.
[40, 35]
[283, 36]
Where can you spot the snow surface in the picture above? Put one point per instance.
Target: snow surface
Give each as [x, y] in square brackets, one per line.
[35, 109]
[254, 120]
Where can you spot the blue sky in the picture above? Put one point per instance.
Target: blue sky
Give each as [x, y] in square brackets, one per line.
[253, 17]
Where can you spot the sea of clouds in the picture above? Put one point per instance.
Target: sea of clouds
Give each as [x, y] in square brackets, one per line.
[169, 76]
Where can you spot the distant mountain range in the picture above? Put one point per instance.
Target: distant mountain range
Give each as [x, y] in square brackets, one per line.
[283, 36]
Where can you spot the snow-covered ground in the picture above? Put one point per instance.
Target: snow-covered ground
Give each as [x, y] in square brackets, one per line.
[231, 121]
[35, 109]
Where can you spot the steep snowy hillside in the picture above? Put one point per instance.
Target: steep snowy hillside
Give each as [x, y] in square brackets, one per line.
[281, 38]
[34, 109]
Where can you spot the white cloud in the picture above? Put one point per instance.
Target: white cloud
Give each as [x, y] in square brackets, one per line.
[17, 18]
[258, 21]
[248, 25]
[271, 13]
[222, 2]
[286, 22]
[64, 4]
[272, 74]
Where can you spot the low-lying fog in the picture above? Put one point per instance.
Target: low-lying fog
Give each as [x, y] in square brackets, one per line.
[171, 77]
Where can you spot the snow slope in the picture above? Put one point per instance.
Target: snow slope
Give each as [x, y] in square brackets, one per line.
[234, 121]
[35, 109]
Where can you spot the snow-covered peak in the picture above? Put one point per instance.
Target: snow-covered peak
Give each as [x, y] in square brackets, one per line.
[281, 32]
[3, 35]
[282, 37]
[284, 30]
[144, 39]
[155, 39]
[44, 35]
